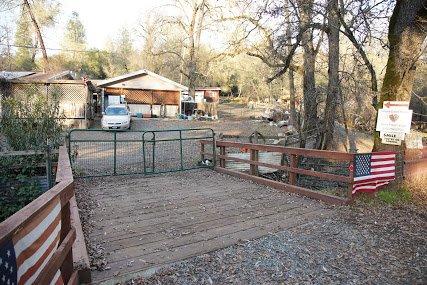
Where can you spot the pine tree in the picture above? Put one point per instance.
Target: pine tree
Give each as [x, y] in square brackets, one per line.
[74, 38]
[24, 57]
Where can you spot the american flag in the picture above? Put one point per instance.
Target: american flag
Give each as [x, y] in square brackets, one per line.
[373, 170]
[27, 252]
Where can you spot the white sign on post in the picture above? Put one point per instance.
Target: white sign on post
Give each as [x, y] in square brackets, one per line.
[394, 121]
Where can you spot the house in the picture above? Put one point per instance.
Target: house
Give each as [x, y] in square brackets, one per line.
[75, 95]
[145, 92]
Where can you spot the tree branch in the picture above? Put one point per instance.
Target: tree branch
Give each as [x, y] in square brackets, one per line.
[349, 34]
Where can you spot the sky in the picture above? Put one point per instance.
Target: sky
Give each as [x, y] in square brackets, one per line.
[102, 19]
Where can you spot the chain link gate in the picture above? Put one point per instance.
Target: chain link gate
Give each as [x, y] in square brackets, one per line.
[102, 153]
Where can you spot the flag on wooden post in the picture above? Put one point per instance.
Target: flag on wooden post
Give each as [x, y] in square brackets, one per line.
[29, 250]
[373, 170]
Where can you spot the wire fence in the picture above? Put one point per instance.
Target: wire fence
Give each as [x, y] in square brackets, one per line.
[100, 153]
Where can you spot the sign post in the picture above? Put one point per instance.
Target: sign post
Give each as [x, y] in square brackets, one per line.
[394, 121]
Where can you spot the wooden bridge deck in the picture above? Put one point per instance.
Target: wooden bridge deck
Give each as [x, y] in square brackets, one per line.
[143, 223]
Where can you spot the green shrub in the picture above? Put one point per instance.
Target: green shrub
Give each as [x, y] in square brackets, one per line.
[16, 197]
[17, 188]
[31, 119]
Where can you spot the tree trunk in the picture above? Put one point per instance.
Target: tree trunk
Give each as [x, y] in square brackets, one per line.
[194, 35]
[309, 82]
[406, 34]
[39, 34]
[293, 118]
[333, 76]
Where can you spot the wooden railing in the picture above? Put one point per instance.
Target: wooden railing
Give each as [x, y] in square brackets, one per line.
[292, 168]
[62, 192]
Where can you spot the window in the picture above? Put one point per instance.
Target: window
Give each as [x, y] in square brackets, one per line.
[114, 111]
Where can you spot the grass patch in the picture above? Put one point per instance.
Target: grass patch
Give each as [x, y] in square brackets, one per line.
[395, 196]
[411, 191]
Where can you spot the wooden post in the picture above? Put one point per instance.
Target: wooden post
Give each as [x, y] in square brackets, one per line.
[102, 100]
[222, 160]
[351, 175]
[294, 164]
[202, 151]
[254, 157]
[49, 166]
[67, 266]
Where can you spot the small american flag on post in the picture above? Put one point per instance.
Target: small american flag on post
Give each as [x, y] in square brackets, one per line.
[28, 251]
[373, 170]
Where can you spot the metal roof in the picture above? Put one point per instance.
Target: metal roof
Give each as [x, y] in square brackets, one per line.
[9, 75]
[208, 88]
[33, 76]
[167, 84]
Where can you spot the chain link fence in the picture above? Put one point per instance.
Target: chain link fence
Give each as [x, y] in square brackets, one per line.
[100, 153]
[74, 98]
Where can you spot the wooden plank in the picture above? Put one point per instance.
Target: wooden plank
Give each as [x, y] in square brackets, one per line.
[151, 241]
[322, 175]
[141, 251]
[120, 208]
[80, 255]
[287, 187]
[66, 263]
[201, 246]
[144, 189]
[201, 217]
[188, 221]
[164, 218]
[74, 279]
[325, 154]
[57, 259]
[64, 171]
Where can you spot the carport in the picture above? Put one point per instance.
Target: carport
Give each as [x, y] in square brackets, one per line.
[145, 92]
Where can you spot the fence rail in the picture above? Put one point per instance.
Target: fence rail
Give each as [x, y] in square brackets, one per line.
[61, 194]
[292, 163]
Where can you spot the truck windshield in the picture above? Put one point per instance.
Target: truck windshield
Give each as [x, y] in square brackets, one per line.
[116, 111]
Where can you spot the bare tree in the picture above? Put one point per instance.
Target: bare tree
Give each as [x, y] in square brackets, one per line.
[292, 93]
[38, 33]
[189, 24]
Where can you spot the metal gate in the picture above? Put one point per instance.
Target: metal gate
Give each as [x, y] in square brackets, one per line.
[102, 153]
